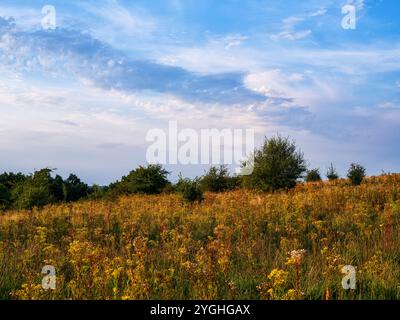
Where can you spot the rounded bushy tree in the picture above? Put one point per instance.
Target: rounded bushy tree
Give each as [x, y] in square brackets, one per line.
[146, 180]
[277, 165]
[217, 179]
[313, 175]
[356, 174]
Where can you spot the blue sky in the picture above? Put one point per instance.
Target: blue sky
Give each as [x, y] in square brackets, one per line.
[82, 97]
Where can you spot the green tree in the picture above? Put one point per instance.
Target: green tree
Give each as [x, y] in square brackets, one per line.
[277, 165]
[356, 174]
[313, 175]
[332, 174]
[74, 189]
[217, 179]
[146, 180]
[35, 191]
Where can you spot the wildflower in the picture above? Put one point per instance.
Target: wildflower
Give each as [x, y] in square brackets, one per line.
[232, 286]
[296, 257]
[278, 277]
[292, 294]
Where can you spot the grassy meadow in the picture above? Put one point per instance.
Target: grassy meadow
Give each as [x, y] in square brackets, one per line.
[234, 245]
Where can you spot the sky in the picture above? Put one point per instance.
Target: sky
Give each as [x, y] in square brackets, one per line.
[82, 97]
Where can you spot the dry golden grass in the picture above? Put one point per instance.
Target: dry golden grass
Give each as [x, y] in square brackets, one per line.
[235, 245]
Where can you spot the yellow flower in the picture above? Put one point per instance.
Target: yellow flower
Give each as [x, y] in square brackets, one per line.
[278, 277]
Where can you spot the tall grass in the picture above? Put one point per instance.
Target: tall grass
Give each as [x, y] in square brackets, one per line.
[234, 245]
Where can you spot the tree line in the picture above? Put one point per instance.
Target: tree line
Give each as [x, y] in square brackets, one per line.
[278, 165]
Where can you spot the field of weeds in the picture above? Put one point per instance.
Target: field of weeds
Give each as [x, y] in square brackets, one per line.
[234, 245]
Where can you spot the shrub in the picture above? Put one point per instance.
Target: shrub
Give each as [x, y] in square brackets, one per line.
[313, 175]
[146, 180]
[217, 180]
[234, 182]
[332, 174]
[190, 189]
[169, 188]
[356, 174]
[277, 165]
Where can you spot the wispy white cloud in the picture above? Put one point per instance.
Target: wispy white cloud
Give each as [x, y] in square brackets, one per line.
[291, 35]
[128, 20]
[390, 105]
[290, 31]
[319, 12]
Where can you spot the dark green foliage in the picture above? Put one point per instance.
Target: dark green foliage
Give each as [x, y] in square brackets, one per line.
[190, 189]
[313, 175]
[5, 197]
[218, 180]
[234, 182]
[57, 188]
[277, 165]
[21, 191]
[332, 174]
[74, 189]
[39, 189]
[146, 180]
[10, 180]
[356, 174]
